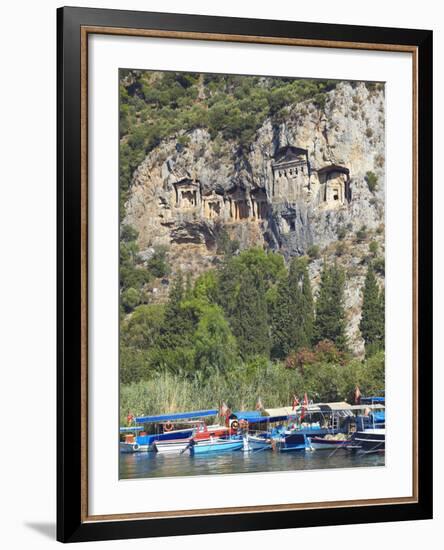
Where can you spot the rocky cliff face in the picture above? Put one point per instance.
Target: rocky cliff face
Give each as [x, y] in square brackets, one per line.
[301, 183]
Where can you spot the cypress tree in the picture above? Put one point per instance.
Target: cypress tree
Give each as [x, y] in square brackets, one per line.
[372, 314]
[177, 327]
[280, 322]
[300, 302]
[292, 319]
[330, 313]
[250, 317]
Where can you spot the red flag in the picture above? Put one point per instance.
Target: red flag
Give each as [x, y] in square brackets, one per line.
[224, 410]
[295, 403]
[357, 396]
[304, 406]
[130, 418]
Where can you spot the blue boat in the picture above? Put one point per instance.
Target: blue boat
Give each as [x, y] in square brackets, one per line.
[216, 446]
[291, 441]
[257, 442]
[144, 442]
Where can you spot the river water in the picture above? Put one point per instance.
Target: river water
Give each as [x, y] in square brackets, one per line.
[151, 464]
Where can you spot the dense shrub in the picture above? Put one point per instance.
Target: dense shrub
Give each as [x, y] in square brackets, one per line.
[313, 252]
[361, 234]
[372, 181]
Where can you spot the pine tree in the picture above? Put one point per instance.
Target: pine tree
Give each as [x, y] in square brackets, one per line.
[250, 317]
[372, 314]
[330, 313]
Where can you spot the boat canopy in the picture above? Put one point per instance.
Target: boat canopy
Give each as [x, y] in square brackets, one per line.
[175, 416]
[280, 411]
[255, 417]
[249, 416]
[373, 399]
[364, 406]
[124, 429]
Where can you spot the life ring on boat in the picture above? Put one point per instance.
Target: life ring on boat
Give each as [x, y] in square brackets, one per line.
[234, 425]
[168, 427]
[136, 447]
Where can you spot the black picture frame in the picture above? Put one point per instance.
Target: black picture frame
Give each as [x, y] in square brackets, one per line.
[72, 524]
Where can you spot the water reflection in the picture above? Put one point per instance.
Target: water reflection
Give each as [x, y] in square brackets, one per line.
[141, 465]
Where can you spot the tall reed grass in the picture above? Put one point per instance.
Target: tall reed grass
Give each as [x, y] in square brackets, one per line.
[241, 388]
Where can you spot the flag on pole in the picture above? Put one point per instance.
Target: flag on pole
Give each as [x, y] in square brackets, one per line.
[259, 405]
[357, 396]
[304, 406]
[295, 403]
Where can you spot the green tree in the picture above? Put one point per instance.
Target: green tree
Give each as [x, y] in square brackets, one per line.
[292, 317]
[249, 321]
[280, 322]
[143, 328]
[330, 313]
[130, 298]
[178, 325]
[214, 343]
[158, 264]
[372, 323]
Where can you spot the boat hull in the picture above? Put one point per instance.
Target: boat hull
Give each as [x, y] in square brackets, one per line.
[292, 442]
[372, 440]
[144, 443]
[216, 446]
[212, 431]
[255, 443]
[173, 446]
[133, 447]
[322, 443]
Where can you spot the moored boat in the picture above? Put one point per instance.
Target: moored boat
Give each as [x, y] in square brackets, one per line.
[173, 446]
[329, 442]
[291, 441]
[257, 442]
[370, 440]
[168, 429]
[204, 432]
[216, 446]
[132, 447]
[130, 443]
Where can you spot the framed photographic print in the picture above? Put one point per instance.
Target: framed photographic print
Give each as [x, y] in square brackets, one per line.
[245, 266]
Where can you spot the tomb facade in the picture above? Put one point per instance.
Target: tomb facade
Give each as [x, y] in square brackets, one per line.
[291, 173]
[187, 194]
[334, 183]
[213, 206]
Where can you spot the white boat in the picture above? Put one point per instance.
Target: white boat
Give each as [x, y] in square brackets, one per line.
[172, 446]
